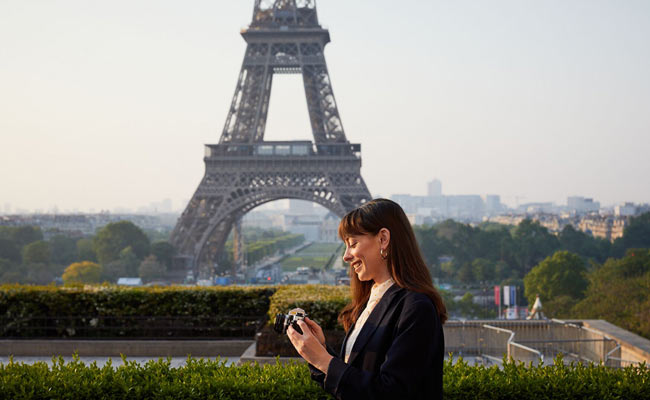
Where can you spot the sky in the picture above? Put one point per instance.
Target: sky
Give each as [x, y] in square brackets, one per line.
[107, 104]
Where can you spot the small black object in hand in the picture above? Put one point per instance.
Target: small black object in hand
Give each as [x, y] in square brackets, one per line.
[283, 321]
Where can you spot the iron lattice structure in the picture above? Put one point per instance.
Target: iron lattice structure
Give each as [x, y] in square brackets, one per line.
[243, 171]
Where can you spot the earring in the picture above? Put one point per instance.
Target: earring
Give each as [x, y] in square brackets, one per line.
[381, 252]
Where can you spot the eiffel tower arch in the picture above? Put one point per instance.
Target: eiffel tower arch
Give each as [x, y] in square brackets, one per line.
[243, 171]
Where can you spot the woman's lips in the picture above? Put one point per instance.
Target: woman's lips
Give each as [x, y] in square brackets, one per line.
[356, 266]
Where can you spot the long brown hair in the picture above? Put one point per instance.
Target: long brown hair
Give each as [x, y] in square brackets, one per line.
[405, 263]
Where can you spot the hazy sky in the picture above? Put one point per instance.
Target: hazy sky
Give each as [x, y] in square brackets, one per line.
[108, 103]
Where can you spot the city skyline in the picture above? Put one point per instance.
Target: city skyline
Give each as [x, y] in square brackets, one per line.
[101, 108]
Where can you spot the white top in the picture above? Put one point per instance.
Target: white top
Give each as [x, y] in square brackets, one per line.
[376, 293]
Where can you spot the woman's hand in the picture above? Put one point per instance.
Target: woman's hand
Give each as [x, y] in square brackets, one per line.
[309, 346]
[316, 330]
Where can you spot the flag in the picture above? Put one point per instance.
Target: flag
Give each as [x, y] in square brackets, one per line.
[506, 296]
[497, 295]
[513, 295]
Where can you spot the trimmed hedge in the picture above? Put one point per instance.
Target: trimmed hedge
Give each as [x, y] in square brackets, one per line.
[110, 311]
[212, 379]
[322, 303]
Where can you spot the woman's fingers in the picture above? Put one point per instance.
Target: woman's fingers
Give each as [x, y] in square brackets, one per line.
[316, 330]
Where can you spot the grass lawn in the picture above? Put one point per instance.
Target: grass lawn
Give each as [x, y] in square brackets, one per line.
[316, 255]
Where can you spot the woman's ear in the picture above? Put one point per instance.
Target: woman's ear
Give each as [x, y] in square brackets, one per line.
[384, 238]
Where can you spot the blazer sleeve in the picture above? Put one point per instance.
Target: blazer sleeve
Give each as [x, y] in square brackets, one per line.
[408, 360]
[316, 374]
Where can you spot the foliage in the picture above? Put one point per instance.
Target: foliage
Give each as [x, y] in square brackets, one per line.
[560, 282]
[322, 303]
[63, 250]
[516, 380]
[9, 250]
[82, 272]
[37, 252]
[85, 250]
[267, 243]
[213, 379]
[635, 235]
[150, 269]
[7, 270]
[40, 273]
[619, 292]
[493, 253]
[115, 237]
[139, 312]
[533, 243]
[466, 307]
[164, 252]
[198, 379]
[580, 243]
[21, 235]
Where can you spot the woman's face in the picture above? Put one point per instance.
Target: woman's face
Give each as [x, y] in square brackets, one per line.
[362, 253]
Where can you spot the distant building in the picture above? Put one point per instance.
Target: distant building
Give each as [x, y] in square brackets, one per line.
[464, 207]
[329, 229]
[582, 205]
[307, 225]
[300, 206]
[434, 188]
[625, 210]
[608, 228]
[537, 208]
[493, 204]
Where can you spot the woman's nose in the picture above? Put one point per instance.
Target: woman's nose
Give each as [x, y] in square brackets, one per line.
[347, 257]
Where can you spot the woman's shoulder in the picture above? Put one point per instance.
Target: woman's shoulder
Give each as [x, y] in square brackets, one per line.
[411, 298]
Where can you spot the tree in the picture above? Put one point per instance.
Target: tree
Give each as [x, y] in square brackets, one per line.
[9, 250]
[150, 269]
[82, 272]
[12, 276]
[5, 265]
[585, 245]
[64, 250]
[164, 252]
[619, 292]
[466, 273]
[39, 273]
[24, 235]
[126, 265]
[635, 235]
[85, 250]
[38, 252]
[532, 243]
[114, 237]
[560, 282]
[484, 270]
[130, 260]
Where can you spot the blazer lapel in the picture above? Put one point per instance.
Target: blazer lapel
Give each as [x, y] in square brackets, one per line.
[373, 321]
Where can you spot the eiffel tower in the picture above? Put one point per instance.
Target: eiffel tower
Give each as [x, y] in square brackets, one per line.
[243, 171]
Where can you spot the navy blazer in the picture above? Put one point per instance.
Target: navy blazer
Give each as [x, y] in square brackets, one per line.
[397, 355]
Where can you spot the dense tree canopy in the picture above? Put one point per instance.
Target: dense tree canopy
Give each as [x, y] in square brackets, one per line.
[82, 272]
[151, 269]
[63, 249]
[560, 282]
[164, 252]
[37, 252]
[115, 237]
[9, 250]
[619, 292]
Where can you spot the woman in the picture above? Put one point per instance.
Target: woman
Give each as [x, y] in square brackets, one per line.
[394, 347]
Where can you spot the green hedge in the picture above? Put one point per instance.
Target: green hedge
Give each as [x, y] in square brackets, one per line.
[212, 379]
[110, 311]
[321, 302]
